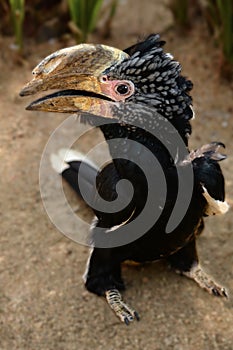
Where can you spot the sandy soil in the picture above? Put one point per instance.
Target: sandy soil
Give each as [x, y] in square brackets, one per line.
[43, 301]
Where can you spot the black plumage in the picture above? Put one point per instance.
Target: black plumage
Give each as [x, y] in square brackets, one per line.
[148, 107]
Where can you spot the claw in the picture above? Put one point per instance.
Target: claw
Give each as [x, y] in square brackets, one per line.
[224, 292]
[204, 281]
[136, 315]
[219, 292]
[122, 310]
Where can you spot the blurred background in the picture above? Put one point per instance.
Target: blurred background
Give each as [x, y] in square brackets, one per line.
[44, 20]
[43, 303]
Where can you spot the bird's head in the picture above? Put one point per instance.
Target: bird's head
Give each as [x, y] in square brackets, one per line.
[103, 81]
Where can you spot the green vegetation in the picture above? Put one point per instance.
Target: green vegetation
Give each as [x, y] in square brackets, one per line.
[219, 16]
[17, 13]
[84, 15]
[179, 9]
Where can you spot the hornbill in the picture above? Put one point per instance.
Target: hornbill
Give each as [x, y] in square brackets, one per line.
[141, 103]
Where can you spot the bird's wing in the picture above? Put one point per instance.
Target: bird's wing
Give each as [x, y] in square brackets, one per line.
[119, 198]
[208, 173]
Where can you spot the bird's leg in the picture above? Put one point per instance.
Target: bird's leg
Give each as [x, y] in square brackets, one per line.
[185, 262]
[121, 309]
[103, 271]
[103, 277]
[205, 281]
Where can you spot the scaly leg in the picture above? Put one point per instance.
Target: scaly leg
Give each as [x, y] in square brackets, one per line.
[185, 262]
[205, 281]
[103, 277]
[122, 310]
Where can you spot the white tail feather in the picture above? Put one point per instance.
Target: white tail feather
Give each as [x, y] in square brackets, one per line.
[59, 161]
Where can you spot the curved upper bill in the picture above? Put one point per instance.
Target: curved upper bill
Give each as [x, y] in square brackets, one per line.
[75, 73]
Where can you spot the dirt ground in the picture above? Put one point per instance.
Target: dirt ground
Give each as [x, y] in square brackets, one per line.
[44, 304]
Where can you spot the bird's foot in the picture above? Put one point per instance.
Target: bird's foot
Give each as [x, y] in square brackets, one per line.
[205, 281]
[122, 310]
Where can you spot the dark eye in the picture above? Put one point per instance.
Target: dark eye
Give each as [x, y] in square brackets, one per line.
[122, 89]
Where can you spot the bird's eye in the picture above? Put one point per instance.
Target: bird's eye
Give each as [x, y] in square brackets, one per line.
[122, 89]
[117, 90]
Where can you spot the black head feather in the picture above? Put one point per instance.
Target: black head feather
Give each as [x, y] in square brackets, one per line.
[145, 45]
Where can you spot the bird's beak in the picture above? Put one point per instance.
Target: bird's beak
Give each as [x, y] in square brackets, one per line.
[76, 73]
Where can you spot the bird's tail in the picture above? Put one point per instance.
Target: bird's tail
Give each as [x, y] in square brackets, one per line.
[77, 170]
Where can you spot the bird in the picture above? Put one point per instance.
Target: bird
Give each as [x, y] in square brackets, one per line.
[141, 102]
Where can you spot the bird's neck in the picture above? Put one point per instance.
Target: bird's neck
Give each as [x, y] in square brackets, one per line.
[134, 145]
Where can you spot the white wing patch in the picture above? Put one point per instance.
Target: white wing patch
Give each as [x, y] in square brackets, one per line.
[215, 207]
